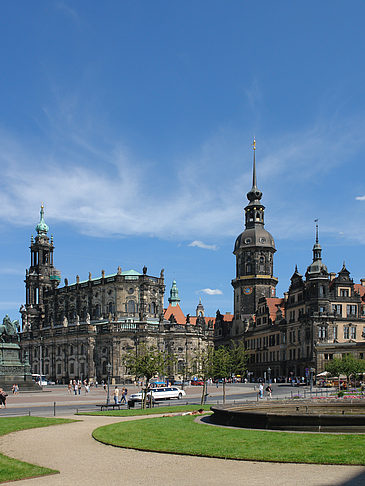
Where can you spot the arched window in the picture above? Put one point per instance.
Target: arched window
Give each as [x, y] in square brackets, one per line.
[153, 308]
[131, 307]
[248, 268]
[82, 350]
[97, 311]
[71, 349]
[111, 308]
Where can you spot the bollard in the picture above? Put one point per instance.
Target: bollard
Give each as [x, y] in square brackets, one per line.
[54, 409]
[29, 413]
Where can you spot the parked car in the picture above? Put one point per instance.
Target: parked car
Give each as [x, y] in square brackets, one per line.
[162, 393]
[197, 382]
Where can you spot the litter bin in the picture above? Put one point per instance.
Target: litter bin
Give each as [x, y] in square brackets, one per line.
[131, 403]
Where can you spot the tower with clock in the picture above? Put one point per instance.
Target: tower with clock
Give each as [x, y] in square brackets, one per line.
[254, 250]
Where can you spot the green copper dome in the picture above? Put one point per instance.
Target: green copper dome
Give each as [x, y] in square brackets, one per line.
[174, 295]
[42, 227]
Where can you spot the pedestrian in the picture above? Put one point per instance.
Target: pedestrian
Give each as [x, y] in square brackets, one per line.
[261, 391]
[269, 390]
[79, 386]
[3, 396]
[87, 388]
[69, 388]
[116, 395]
[75, 388]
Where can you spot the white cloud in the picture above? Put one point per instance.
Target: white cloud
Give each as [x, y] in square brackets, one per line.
[200, 244]
[360, 198]
[211, 291]
[100, 188]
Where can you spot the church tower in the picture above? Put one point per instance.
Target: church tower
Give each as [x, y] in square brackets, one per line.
[40, 277]
[254, 250]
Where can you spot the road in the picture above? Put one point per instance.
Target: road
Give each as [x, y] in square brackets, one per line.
[56, 400]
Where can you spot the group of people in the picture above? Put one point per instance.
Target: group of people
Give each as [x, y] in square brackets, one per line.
[15, 389]
[123, 396]
[76, 386]
[268, 390]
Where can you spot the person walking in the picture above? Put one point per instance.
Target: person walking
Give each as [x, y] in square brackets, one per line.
[3, 396]
[116, 395]
[261, 391]
[269, 390]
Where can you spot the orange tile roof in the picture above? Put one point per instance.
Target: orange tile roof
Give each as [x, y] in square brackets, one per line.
[177, 312]
[361, 289]
[273, 303]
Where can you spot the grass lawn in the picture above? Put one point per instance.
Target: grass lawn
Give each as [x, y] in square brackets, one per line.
[181, 435]
[148, 411]
[12, 469]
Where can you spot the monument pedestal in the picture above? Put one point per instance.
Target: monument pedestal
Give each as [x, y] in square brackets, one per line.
[13, 371]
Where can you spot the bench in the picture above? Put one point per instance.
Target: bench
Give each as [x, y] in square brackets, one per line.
[110, 405]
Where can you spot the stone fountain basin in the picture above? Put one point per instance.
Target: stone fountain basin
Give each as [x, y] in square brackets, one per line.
[331, 416]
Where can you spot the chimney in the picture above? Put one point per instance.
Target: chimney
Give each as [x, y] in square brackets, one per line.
[286, 295]
[362, 280]
[77, 279]
[332, 276]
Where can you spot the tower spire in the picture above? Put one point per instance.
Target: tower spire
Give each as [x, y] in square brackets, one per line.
[254, 163]
[317, 250]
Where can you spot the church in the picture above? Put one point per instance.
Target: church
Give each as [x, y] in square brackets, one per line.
[321, 316]
[75, 331]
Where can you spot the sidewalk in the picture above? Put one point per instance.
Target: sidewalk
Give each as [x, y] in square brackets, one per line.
[81, 460]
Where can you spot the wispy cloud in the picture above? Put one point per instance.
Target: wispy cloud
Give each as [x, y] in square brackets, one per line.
[360, 198]
[204, 246]
[211, 291]
[95, 184]
[66, 9]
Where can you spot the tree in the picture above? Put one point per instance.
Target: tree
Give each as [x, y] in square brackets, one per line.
[239, 358]
[222, 366]
[146, 363]
[348, 366]
[203, 364]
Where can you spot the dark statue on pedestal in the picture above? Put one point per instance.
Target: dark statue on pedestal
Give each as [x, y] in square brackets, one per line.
[12, 369]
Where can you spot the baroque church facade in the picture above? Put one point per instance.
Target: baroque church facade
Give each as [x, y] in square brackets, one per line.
[75, 331]
[321, 316]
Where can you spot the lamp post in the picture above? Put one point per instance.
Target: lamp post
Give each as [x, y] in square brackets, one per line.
[269, 375]
[109, 369]
[312, 370]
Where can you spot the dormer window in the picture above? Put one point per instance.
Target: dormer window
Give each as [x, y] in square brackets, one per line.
[344, 292]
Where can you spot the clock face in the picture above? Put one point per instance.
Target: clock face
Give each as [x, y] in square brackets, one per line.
[247, 290]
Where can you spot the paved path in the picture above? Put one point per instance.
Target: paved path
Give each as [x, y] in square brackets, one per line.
[81, 460]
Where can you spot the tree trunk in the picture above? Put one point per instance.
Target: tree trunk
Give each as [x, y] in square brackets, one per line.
[203, 392]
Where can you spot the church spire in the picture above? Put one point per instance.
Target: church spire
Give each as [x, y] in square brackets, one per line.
[42, 227]
[254, 209]
[174, 295]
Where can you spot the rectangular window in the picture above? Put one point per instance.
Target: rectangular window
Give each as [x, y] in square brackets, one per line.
[344, 292]
[346, 332]
[335, 332]
[58, 369]
[337, 309]
[353, 332]
[322, 332]
[351, 310]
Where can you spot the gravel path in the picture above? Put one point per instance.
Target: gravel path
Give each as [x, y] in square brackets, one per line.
[81, 460]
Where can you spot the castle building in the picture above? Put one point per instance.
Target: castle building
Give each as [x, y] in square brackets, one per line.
[74, 331]
[322, 316]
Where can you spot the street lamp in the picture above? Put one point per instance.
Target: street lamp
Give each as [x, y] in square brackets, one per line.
[269, 375]
[109, 369]
[312, 371]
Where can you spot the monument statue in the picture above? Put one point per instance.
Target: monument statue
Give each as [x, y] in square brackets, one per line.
[9, 330]
[88, 318]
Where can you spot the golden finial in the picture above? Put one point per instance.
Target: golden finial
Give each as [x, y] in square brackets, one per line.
[254, 143]
[42, 206]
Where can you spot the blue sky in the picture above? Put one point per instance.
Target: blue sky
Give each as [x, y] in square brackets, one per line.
[133, 122]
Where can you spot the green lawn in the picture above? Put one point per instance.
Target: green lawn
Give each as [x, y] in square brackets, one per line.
[12, 469]
[181, 435]
[148, 411]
